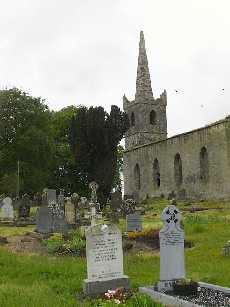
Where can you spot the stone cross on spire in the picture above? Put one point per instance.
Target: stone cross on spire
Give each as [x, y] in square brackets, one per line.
[143, 82]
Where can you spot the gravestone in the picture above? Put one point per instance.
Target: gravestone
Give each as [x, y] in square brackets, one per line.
[50, 217]
[83, 204]
[51, 196]
[2, 196]
[171, 249]
[116, 199]
[226, 249]
[75, 199]
[93, 202]
[128, 206]
[38, 199]
[70, 213]
[24, 207]
[134, 222]
[7, 210]
[104, 260]
[58, 218]
[93, 187]
[44, 220]
[61, 199]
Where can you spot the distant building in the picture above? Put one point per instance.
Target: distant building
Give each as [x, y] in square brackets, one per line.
[193, 165]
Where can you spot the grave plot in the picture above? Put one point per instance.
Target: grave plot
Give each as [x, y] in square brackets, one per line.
[173, 288]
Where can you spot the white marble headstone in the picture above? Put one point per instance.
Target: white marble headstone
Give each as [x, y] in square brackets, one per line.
[7, 210]
[171, 248]
[104, 252]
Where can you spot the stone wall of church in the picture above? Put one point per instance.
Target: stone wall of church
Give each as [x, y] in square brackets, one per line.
[215, 184]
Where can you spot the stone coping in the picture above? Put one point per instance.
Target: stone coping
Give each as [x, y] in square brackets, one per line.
[175, 301]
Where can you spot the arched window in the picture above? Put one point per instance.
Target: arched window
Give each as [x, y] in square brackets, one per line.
[204, 165]
[132, 119]
[178, 170]
[156, 174]
[137, 177]
[152, 117]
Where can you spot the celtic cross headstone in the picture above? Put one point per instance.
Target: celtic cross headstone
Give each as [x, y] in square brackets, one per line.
[171, 249]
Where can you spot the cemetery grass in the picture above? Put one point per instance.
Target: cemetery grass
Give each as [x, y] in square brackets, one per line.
[41, 281]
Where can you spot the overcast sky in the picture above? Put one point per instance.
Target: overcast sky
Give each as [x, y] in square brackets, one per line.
[85, 52]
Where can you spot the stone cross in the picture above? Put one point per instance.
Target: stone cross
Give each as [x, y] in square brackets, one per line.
[93, 201]
[171, 249]
[93, 187]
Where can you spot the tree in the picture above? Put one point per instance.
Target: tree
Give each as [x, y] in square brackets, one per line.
[119, 168]
[25, 135]
[94, 137]
[63, 170]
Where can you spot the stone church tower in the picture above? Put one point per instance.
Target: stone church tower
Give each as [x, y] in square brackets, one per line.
[190, 165]
[148, 122]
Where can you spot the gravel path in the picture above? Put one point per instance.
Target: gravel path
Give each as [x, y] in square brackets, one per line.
[208, 297]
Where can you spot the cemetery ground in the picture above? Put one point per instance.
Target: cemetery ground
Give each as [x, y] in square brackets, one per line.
[33, 279]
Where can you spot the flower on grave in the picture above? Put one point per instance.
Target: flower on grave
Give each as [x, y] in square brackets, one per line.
[117, 295]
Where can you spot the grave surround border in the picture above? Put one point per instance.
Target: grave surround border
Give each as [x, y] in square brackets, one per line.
[94, 288]
[175, 301]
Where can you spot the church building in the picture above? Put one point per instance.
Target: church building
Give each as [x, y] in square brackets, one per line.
[192, 165]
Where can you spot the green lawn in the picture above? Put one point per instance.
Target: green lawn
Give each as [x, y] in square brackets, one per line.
[56, 281]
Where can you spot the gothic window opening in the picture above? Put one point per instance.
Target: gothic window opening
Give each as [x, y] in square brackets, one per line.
[156, 174]
[178, 170]
[137, 177]
[204, 165]
[132, 119]
[152, 117]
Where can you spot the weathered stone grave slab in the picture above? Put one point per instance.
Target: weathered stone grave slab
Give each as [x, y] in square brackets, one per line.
[58, 218]
[134, 222]
[7, 209]
[116, 199]
[61, 199]
[104, 260]
[24, 207]
[70, 213]
[44, 220]
[51, 196]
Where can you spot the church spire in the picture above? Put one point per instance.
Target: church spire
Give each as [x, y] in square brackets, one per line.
[143, 82]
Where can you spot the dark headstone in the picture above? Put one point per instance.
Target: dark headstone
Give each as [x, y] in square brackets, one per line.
[44, 220]
[116, 199]
[133, 222]
[58, 218]
[51, 196]
[24, 207]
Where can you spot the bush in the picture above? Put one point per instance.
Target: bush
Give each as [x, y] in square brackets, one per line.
[197, 228]
[151, 234]
[54, 243]
[71, 243]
